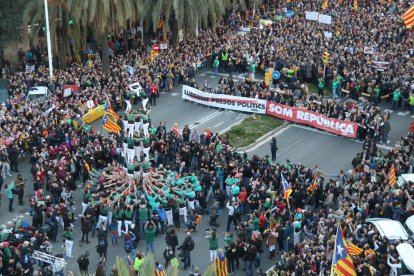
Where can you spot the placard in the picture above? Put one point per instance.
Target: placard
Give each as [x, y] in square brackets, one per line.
[311, 16]
[325, 19]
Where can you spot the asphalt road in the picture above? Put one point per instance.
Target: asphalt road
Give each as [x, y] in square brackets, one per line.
[297, 143]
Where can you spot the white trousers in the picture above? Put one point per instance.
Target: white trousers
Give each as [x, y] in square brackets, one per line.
[183, 212]
[190, 204]
[137, 151]
[119, 227]
[169, 215]
[128, 223]
[128, 105]
[145, 128]
[68, 248]
[84, 207]
[144, 103]
[137, 126]
[130, 130]
[125, 124]
[125, 148]
[130, 155]
[213, 255]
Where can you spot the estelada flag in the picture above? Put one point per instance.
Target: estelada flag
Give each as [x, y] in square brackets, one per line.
[221, 266]
[353, 249]
[408, 17]
[391, 178]
[342, 263]
[312, 187]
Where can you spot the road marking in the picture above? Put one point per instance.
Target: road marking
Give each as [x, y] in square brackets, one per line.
[202, 74]
[403, 113]
[241, 76]
[388, 110]
[207, 118]
[174, 94]
[218, 124]
[213, 77]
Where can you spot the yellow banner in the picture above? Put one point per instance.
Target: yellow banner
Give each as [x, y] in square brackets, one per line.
[94, 114]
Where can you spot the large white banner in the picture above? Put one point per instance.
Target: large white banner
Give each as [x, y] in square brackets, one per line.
[224, 101]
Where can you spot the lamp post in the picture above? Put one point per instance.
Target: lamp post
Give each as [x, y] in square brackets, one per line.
[49, 46]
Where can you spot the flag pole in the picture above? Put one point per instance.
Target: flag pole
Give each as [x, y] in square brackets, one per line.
[49, 46]
[334, 253]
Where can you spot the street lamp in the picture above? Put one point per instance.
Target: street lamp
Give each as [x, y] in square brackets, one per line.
[49, 44]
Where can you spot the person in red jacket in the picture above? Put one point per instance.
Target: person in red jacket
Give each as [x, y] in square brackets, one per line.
[153, 93]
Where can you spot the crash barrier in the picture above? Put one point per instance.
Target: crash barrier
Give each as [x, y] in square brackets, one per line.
[252, 105]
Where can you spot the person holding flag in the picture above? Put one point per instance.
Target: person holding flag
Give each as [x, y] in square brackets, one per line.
[287, 189]
[221, 264]
[107, 123]
[342, 264]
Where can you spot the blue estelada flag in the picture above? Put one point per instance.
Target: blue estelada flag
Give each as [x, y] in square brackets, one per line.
[342, 263]
[108, 109]
[287, 189]
[109, 125]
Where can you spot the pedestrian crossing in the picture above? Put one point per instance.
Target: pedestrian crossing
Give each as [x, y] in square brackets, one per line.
[403, 114]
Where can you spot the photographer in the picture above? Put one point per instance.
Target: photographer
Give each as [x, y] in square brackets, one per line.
[149, 230]
[187, 246]
[83, 262]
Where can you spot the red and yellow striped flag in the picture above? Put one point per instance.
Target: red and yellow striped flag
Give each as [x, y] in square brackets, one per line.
[355, 5]
[391, 177]
[325, 4]
[109, 125]
[408, 17]
[312, 187]
[353, 249]
[342, 262]
[221, 266]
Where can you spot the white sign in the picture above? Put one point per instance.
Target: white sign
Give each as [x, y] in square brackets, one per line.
[245, 29]
[325, 19]
[180, 35]
[312, 15]
[327, 34]
[163, 46]
[30, 68]
[369, 50]
[224, 101]
[67, 92]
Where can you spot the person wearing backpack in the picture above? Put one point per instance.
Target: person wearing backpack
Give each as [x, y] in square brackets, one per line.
[129, 244]
[102, 246]
[187, 246]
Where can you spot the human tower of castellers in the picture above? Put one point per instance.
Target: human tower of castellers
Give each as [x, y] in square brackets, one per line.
[127, 187]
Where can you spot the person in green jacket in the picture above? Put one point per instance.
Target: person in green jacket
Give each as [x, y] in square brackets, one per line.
[139, 260]
[335, 87]
[411, 102]
[212, 245]
[216, 64]
[321, 86]
[377, 94]
[10, 195]
[396, 96]
[149, 237]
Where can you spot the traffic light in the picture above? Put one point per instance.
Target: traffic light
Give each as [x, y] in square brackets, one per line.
[326, 58]
[71, 22]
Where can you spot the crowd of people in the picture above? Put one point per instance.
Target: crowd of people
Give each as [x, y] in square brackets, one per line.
[149, 179]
